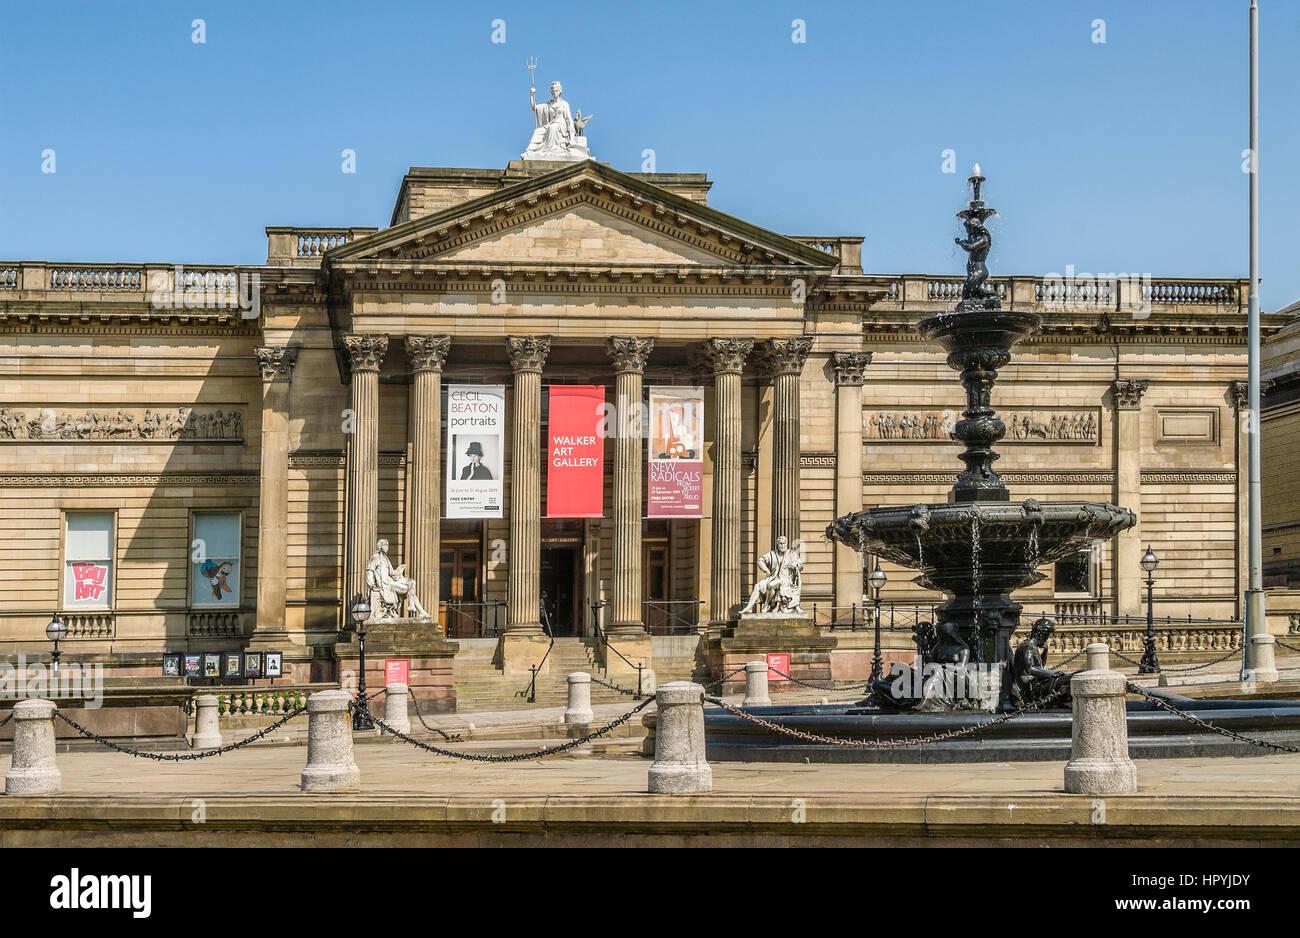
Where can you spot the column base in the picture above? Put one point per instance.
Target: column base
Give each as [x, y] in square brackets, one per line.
[518, 651]
[680, 779]
[1100, 777]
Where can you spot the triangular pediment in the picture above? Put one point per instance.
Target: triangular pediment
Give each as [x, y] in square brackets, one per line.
[585, 214]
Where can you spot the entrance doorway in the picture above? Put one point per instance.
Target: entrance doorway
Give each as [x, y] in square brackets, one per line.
[461, 610]
[561, 579]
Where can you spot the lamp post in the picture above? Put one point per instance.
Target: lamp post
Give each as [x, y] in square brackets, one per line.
[1149, 663]
[56, 631]
[877, 583]
[361, 718]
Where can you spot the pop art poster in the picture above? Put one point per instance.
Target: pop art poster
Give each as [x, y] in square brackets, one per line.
[675, 487]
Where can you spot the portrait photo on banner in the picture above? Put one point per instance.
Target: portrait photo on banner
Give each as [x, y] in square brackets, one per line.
[475, 450]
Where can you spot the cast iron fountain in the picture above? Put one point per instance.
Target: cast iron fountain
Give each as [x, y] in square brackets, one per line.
[978, 548]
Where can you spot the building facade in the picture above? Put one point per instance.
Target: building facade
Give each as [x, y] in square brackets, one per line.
[204, 457]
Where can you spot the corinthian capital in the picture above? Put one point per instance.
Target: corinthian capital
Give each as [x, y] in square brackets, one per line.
[276, 362]
[1238, 390]
[365, 352]
[629, 353]
[728, 355]
[786, 356]
[427, 352]
[1129, 391]
[528, 352]
[850, 367]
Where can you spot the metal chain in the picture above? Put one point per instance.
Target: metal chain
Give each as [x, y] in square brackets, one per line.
[889, 743]
[1232, 654]
[7, 719]
[1285, 645]
[834, 685]
[180, 756]
[621, 690]
[723, 679]
[1197, 721]
[1071, 658]
[416, 707]
[517, 756]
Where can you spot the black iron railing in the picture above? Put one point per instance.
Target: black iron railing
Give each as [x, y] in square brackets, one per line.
[474, 619]
[671, 616]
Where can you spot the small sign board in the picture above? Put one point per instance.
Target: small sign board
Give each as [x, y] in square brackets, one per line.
[397, 671]
[778, 661]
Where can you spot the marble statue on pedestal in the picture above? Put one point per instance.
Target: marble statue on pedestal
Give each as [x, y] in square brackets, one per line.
[557, 134]
[779, 588]
[387, 586]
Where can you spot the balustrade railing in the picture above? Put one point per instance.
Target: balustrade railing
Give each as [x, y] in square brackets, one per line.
[473, 619]
[671, 616]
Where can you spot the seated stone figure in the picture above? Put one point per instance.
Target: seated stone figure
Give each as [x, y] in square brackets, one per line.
[941, 652]
[387, 586]
[778, 589]
[1030, 681]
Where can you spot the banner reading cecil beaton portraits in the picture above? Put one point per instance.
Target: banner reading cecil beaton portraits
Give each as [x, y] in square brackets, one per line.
[575, 463]
[476, 416]
[676, 453]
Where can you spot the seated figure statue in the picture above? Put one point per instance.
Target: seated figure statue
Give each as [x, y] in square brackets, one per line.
[1030, 681]
[779, 588]
[387, 585]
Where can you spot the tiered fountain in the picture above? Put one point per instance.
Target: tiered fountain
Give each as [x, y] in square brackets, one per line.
[978, 548]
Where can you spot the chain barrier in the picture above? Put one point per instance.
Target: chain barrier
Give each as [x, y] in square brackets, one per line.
[1069, 659]
[724, 678]
[517, 756]
[420, 716]
[1197, 721]
[181, 756]
[888, 743]
[1196, 667]
[834, 685]
[7, 719]
[1285, 645]
[621, 690]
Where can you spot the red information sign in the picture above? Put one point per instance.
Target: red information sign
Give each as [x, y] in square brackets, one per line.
[778, 661]
[397, 671]
[575, 464]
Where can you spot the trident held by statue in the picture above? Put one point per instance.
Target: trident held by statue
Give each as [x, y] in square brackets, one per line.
[531, 64]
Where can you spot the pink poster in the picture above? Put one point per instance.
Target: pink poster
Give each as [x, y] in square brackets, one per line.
[675, 484]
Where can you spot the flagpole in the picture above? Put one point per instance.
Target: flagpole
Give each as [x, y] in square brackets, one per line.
[1255, 610]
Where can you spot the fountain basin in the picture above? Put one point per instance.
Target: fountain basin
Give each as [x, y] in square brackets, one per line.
[1034, 737]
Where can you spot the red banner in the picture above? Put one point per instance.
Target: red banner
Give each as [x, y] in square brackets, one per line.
[575, 465]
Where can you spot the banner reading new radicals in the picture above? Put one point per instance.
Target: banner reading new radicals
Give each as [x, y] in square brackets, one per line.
[475, 450]
[575, 465]
[676, 449]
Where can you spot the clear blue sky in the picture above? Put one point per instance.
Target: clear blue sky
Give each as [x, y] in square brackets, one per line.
[1122, 156]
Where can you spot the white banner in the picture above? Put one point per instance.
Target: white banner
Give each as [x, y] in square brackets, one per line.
[476, 419]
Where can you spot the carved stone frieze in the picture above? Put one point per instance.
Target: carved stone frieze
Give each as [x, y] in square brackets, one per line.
[181, 424]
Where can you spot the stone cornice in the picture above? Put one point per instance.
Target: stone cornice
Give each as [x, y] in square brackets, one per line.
[79, 480]
[528, 353]
[276, 362]
[427, 352]
[365, 352]
[629, 353]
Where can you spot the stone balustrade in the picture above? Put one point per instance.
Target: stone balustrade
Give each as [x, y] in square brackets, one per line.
[252, 701]
[847, 249]
[287, 246]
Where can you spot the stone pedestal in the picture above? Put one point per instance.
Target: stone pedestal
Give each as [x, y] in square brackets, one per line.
[1263, 663]
[207, 730]
[578, 708]
[33, 770]
[396, 712]
[756, 685]
[1099, 761]
[680, 766]
[330, 766]
[421, 642]
[754, 637]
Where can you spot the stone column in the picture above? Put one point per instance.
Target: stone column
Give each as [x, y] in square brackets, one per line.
[1241, 453]
[1099, 761]
[207, 727]
[681, 766]
[397, 713]
[32, 768]
[728, 359]
[330, 766]
[629, 355]
[578, 706]
[785, 359]
[850, 368]
[524, 642]
[276, 364]
[364, 352]
[1126, 574]
[424, 479]
[756, 694]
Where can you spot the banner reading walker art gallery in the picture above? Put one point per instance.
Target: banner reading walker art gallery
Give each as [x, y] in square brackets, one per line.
[575, 465]
[676, 475]
[475, 450]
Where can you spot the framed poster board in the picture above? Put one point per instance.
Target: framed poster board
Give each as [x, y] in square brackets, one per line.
[171, 665]
[192, 666]
[273, 665]
[232, 664]
[253, 664]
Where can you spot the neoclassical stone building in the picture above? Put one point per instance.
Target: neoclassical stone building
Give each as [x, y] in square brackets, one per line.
[203, 458]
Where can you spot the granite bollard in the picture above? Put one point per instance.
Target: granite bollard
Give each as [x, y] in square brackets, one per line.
[207, 729]
[330, 766]
[680, 766]
[33, 770]
[1099, 761]
[578, 707]
[397, 713]
[1263, 659]
[756, 685]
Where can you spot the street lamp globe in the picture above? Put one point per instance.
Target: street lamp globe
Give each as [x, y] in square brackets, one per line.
[56, 631]
[877, 578]
[360, 611]
[1149, 560]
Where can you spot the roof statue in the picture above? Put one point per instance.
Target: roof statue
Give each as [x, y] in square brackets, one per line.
[557, 134]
